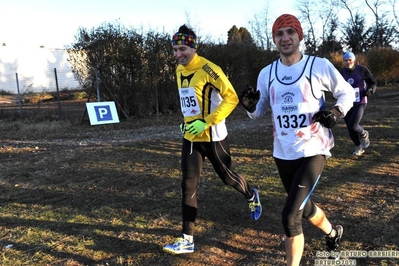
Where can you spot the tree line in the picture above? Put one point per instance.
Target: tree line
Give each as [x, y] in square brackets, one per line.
[333, 25]
[137, 69]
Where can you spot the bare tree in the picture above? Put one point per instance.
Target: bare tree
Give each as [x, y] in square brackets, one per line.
[261, 29]
[316, 13]
[395, 15]
[331, 43]
[349, 9]
[374, 9]
[305, 7]
[393, 3]
[383, 33]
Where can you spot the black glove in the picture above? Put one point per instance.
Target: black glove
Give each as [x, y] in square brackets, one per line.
[249, 98]
[326, 118]
[369, 91]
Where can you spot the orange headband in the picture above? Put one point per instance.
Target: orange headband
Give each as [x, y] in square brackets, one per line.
[287, 20]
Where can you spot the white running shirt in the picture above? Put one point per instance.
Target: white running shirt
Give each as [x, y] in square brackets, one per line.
[294, 94]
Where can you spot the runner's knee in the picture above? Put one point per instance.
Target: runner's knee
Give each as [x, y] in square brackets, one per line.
[292, 223]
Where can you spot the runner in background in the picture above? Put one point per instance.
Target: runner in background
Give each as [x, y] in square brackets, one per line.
[364, 84]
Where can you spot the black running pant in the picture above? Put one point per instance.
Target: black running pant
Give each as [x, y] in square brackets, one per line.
[193, 156]
[299, 178]
[352, 121]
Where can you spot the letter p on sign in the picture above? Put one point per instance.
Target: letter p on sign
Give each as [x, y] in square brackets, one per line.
[102, 113]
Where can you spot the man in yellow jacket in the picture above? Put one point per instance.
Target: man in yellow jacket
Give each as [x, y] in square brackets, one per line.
[206, 98]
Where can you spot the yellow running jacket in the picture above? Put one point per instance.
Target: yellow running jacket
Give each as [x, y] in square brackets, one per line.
[205, 94]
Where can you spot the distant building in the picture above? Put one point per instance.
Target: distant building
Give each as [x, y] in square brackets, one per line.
[35, 69]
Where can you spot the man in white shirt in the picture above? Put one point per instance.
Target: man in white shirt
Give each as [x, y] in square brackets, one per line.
[293, 88]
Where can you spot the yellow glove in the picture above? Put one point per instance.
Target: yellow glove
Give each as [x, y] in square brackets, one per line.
[197, 127]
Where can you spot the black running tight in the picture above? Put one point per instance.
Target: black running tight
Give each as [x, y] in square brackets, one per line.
[193, 156]
[299, 178]
[352, 121]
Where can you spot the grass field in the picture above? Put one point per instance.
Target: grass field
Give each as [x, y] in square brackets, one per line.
[75, 194]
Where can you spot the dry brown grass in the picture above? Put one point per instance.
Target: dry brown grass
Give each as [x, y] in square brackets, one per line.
[75, 194]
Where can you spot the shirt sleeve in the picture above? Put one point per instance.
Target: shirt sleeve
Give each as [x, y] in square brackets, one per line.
[229, 99]
[333, 82]
[264, 102]
[369, 78]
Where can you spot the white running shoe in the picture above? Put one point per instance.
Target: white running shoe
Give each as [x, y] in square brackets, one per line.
[358, 151]
[364, 141]
[181, 246]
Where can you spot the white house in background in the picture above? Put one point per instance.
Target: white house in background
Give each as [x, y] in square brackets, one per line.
[34, 68]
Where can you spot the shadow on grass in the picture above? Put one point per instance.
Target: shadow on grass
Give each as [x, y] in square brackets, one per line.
[107, 198]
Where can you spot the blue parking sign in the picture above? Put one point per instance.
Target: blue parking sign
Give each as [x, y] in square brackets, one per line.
[102, 113]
